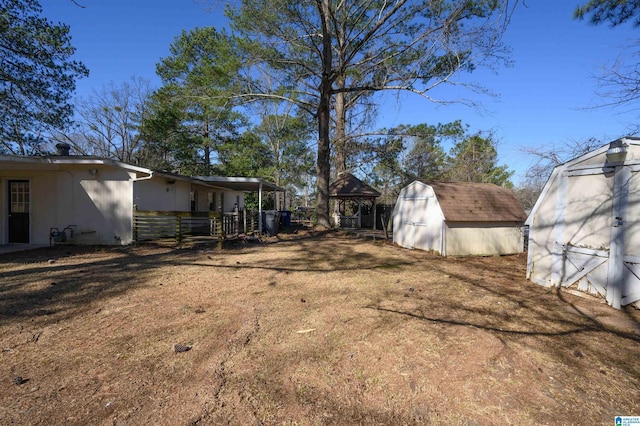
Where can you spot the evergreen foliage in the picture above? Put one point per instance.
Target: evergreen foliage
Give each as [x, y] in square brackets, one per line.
[37, 76]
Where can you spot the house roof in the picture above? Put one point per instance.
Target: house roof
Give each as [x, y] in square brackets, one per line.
[233, 183]
[477, 202]
[54, 160]
[349, 186]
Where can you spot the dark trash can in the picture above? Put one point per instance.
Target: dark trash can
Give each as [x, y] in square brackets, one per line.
[285, 218]
[270, 222]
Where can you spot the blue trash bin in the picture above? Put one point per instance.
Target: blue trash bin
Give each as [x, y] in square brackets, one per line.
[285, 218]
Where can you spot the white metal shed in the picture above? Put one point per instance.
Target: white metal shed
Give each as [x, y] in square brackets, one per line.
[458, 219]
[585, 226]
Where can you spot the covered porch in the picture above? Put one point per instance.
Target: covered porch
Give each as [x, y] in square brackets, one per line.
[248, 185]
[219, 219]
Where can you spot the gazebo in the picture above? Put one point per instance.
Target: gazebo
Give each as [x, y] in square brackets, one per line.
[355, 202]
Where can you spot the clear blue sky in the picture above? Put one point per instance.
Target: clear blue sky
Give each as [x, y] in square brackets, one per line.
[545, 98]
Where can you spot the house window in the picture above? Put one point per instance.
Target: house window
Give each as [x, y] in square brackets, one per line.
[194, 201]
[19, 197]
[211, 200]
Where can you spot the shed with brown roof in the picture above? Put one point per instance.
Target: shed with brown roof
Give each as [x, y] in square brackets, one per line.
[459, 219]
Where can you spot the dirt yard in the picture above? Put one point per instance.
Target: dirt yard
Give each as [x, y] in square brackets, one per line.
[303, 330]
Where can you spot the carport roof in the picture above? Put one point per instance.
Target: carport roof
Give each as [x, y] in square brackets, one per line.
[240, 183]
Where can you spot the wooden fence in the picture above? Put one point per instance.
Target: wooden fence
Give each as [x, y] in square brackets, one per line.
[154, 225]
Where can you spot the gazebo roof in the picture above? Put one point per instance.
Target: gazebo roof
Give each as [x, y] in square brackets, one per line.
[349, 186]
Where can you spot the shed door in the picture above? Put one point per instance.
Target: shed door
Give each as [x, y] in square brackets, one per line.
[586, 237]
[19, 201]
[419, 220]
[630, 289]
[403, 231]
[415, 226]
[595, 235]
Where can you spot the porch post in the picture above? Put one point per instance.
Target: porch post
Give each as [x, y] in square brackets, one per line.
[375, 216]
[260, 208]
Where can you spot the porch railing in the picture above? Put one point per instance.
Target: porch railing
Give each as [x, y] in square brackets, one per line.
[151, 225]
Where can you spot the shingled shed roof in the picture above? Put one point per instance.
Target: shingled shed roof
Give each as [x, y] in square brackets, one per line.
[349, 186]
[477, 202]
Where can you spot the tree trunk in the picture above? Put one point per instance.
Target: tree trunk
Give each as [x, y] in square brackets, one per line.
[340, 142]
[207, 148]
[323, 167]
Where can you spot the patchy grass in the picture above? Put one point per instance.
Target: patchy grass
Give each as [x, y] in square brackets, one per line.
[304, 330]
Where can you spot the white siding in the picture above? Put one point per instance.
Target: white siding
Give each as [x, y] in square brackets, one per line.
[160, 195]
[417, 219]
[107, 211]
[541, 237]
[483, 239]
[98, 207]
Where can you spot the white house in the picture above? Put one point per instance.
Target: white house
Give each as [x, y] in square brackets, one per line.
[92, 200]
[458, 219]
[585, 226]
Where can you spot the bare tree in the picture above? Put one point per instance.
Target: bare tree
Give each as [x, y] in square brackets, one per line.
[109, 120]
[619, 83]
[546, 159]
[324, 48]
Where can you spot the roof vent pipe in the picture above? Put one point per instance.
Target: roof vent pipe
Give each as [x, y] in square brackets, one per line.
[63, 148]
